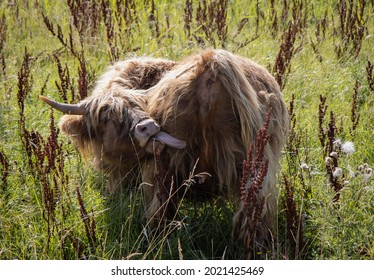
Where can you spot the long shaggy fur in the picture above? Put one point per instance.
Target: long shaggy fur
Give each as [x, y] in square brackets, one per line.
[114, 107]
[215, 101]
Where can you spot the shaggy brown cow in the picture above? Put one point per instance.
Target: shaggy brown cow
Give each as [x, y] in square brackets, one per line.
[110, 126]
[201, 114]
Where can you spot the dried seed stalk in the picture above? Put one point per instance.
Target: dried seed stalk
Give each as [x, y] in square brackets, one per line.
[254, 171]
[294, 222]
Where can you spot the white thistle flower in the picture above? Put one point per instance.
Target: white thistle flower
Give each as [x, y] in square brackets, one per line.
[348, 148]
[337, 142]
[337, 172]
[334, 155]
[328, 160]
[304, 166]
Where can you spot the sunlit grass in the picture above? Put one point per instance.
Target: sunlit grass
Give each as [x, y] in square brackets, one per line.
[331, 230]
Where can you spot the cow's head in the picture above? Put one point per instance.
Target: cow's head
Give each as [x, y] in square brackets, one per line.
[113, 129]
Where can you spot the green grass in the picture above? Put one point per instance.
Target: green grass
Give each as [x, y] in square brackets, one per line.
[115, 226]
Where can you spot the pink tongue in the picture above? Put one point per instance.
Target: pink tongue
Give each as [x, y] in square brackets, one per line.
[169, 140]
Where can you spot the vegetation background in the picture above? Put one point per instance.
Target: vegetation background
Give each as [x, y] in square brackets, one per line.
[321, 52]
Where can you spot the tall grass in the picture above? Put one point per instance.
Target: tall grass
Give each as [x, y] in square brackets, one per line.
[52, 204]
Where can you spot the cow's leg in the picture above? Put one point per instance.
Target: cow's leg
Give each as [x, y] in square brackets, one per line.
[116, 179]
[158, 194]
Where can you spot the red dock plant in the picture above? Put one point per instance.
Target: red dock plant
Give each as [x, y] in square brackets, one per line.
[255, 169]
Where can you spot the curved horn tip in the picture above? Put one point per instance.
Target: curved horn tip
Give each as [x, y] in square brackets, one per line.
[47, 100]
[64, 108]
[43, 98]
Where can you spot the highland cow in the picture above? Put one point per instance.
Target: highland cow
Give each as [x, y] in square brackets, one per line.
[169, 118]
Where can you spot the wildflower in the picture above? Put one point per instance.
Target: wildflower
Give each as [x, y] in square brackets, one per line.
[334, 155]
[337, 172]
[365, 165]
[338, 142]
[328, 160]
[360, 168]
[346, 183]
[368, 173]
[348, 148]
[304, 166]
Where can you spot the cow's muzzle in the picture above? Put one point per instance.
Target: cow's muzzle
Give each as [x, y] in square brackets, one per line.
[149, 135]
[144, 130]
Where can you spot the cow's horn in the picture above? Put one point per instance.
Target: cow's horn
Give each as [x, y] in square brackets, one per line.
[71, 109]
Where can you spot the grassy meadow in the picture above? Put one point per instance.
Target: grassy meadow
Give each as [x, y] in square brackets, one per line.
[52, 204]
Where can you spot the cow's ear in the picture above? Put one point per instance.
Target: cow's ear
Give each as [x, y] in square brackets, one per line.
[74, 126]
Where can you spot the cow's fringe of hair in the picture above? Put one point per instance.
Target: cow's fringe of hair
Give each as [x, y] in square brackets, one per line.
[112, 103]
